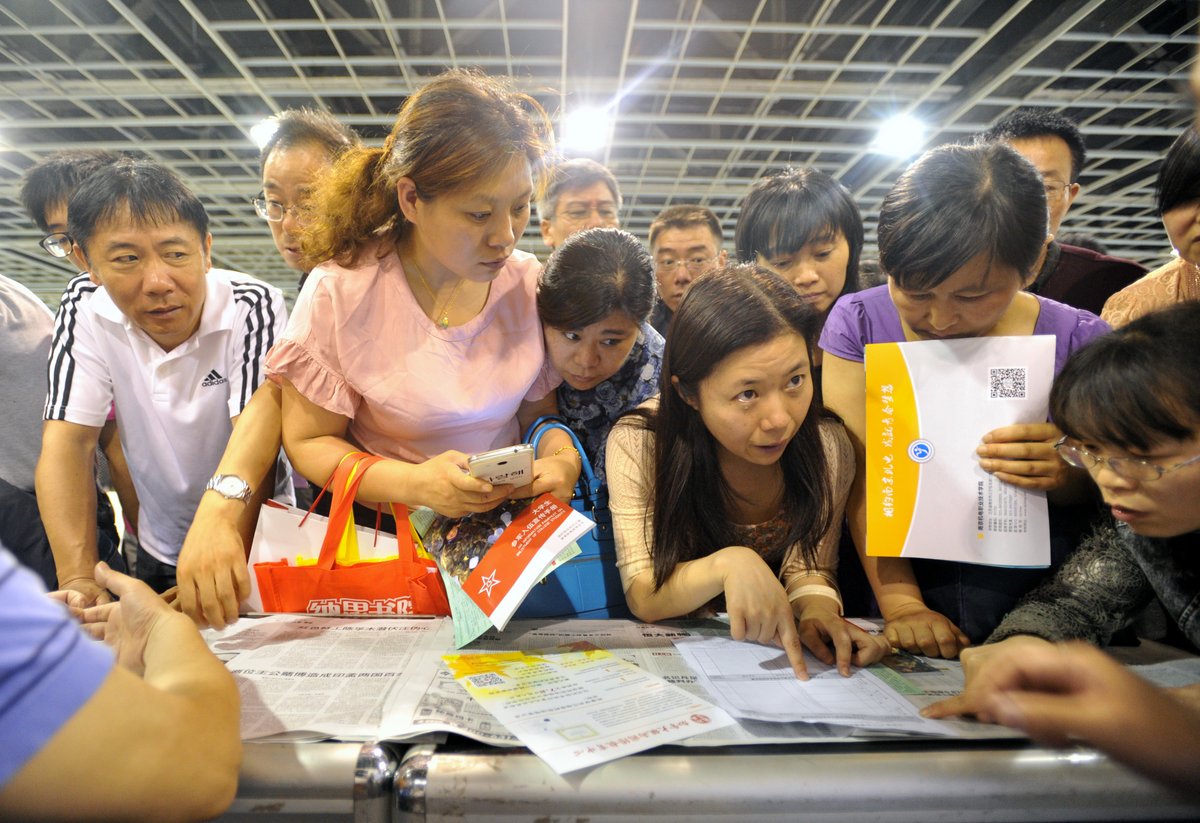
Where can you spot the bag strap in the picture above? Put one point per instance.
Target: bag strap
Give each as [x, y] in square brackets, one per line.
[345, 482]
[589, 485]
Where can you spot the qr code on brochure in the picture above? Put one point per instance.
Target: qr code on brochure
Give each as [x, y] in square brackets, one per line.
[1007, 384]
[485, 680]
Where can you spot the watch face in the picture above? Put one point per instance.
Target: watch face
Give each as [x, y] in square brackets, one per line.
[230, 486]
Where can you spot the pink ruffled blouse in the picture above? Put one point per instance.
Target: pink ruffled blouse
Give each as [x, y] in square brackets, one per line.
[359, 345]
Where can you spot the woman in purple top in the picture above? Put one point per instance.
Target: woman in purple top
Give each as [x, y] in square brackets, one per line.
[958, 236]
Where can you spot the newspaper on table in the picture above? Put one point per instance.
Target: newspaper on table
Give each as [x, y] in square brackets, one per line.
[380, 678]
[577, 706]
[929, 404]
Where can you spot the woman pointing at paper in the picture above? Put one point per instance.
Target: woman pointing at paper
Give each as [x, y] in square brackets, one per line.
[958, 236]
[417, 337]
[727, 490]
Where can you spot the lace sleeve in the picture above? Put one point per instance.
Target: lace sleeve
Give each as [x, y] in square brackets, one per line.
[1100, 589]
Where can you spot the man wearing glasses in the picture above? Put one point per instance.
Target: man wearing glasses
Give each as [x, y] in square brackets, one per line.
[685, 241]
[26, 328]
[581, 194]
[1078, 277]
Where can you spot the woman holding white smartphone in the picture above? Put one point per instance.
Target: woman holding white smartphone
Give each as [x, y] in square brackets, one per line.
[417, 337]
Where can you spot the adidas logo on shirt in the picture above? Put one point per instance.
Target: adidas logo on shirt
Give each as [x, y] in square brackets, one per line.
[213, 378]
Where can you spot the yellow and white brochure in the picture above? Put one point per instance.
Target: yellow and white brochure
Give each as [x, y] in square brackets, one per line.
[929, 404]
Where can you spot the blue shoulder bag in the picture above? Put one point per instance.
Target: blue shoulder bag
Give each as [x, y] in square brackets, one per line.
[588, 585]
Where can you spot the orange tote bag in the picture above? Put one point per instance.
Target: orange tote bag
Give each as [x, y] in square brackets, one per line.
[408, 584]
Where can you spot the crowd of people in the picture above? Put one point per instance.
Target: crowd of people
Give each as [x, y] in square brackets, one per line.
[721, 401]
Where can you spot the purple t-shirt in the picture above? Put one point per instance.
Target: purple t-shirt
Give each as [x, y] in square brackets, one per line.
[48, 667]
[870, 317]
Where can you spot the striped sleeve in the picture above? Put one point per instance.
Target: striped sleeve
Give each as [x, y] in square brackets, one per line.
[66, 350]
[263, 316]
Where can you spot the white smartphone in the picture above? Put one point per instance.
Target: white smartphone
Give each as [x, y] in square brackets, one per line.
[509, 465]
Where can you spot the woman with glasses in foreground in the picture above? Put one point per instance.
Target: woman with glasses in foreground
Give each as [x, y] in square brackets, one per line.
[1130, 407]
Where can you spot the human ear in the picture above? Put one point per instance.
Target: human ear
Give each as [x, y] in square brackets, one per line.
[206, 247]
[407, 197]
[80, 259]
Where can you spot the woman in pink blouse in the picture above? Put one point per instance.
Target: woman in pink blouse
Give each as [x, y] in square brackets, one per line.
[417, 337]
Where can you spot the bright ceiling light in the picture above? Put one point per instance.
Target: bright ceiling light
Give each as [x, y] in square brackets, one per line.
[263, 130]
[900, 136]
[586, 130]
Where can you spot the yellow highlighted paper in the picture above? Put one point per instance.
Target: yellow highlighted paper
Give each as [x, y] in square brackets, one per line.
[928, 406]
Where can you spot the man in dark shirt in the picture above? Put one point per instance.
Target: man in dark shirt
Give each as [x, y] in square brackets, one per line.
[1078, 277]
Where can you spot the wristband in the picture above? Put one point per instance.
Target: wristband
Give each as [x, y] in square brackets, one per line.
[817, 588]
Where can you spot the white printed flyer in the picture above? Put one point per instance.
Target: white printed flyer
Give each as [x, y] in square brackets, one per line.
[929, 404]
[580, 706]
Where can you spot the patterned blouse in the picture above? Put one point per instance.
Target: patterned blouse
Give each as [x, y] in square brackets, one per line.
[1176, 282]
[592, 412]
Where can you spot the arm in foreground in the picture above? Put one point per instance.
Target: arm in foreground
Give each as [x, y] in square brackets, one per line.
[316, 441]
[66, 496]
[213, 577]
[170, 737]
[1058, 694]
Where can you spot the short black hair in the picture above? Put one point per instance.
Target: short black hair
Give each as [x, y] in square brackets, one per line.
[1024, 124]
[148, 191]
[1179, 174]
[53, 179]
[592, 274]
[294, 127]
[569, 175]
[797, 206]
[1136, 387]
[956, 202]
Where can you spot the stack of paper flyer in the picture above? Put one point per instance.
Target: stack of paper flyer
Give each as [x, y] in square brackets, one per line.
[490, 561]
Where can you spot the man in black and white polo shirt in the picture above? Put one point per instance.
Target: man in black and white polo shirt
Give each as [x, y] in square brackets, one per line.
[177, 346]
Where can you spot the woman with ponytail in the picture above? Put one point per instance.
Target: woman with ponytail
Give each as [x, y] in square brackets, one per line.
[418, 336]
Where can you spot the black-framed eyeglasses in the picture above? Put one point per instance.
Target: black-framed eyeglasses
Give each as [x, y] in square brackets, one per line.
[693, 264]
[274, 211]
[57, 244]
[1127, 467]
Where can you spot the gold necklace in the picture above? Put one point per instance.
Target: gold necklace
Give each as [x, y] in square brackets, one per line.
[443, 321]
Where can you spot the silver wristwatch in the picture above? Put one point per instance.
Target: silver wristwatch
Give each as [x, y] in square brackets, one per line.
[230, 486]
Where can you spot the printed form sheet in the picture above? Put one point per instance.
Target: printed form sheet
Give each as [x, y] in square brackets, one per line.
[579, 706]
[757, 683]
[929, 404]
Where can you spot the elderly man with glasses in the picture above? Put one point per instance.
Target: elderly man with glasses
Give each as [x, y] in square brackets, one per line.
[581, 194]
[1078, 277]
[685, 241]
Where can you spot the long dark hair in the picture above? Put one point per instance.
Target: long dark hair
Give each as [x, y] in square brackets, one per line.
[725, 311]
[1136, 387]
[592, 274]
